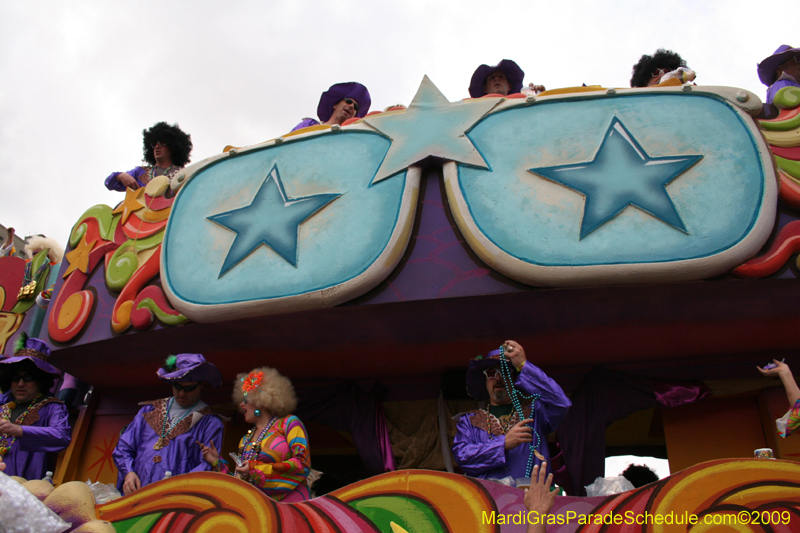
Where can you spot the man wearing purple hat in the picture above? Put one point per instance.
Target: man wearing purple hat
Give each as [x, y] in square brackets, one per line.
[164, 434]
[781, 69]
[500, 441]
[341, 102]
[503, 78]
[34, 425]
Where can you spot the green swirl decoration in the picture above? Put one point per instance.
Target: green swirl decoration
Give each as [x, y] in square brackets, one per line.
[164, 318]
[106, 224]
[787, 98]
[121, 266]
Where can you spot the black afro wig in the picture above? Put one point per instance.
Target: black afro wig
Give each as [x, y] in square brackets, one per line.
[643, 70]
[178, 142]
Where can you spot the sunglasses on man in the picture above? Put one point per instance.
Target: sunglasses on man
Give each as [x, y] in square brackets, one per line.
[350, 101]
[187, 388]
[494, 373]
[27, 378]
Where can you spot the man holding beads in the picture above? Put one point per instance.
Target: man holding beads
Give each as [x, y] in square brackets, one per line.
[163, 436]
[499, 441]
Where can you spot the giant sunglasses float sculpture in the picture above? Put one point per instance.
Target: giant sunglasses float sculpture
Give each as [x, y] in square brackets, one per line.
[601, 187]
[587, 187]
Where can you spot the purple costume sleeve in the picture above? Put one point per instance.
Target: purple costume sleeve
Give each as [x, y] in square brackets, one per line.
[306, 122]
[475, 452]
[552, 404]
[54, 433]
[125, 452]
[113, 184]
[485, 457]
[777, 86]
[33, 454]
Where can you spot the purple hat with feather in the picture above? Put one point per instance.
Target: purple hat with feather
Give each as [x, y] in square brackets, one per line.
[189, 367]
[340, 91]
[767, 68]
[34, 350]
[513, 73]
[476, 381]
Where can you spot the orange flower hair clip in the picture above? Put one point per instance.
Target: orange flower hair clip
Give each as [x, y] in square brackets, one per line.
[252, 381]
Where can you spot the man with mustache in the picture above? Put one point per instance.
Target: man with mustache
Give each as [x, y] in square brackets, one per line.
[497, 441]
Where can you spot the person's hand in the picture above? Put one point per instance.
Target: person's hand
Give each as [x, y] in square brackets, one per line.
[518, 434]
[536, 88]
[2, 464]
[127, 180]
[12, 430]
[243, 471]
[515, 353]
[210, 453]
[9, 237]
[538, 497]
[780, 369]
[131, 483]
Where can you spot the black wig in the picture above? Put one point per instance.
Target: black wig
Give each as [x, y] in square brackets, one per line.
[178, 142]
[640, 475]
[643, 70]
[45, 380]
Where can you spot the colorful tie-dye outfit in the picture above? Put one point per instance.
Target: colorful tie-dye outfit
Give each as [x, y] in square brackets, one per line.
[283, 461]
[790, 422]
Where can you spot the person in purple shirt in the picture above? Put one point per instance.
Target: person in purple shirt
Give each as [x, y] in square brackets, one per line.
[499, 441]
[341, 102]
[781, 69]
[34, 425]
[167, 149]
[164, 435]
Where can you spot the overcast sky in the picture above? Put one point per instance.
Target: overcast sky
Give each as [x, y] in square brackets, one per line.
[79, 80]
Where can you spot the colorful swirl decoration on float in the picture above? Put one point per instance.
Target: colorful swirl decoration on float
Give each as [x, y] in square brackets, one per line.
[396, 502]
[742, 495]
[783, 135]
[128, 240]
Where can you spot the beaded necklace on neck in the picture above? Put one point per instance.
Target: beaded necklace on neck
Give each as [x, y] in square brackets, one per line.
[516, 395]
[166, 427]
[153, 172]
[11, 406]
[250, 447]
[503, 426]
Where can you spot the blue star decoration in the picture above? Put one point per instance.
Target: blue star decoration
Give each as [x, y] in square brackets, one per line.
[622, 174]
[272, 219]
[431, 126]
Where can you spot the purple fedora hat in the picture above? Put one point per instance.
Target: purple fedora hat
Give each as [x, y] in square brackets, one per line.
[190, 367]
[513, 73]
[34, 350]
[338, 91]
[767, 68]
[476, 381]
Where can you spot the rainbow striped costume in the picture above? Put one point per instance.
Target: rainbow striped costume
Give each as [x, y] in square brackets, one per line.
[283, 461]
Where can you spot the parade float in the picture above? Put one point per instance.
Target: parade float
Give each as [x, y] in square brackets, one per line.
[634, 241]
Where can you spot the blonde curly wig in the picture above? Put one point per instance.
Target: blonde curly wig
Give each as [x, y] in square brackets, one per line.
[274, 394]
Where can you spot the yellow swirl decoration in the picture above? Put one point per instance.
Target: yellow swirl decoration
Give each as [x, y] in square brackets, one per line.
[222, 503]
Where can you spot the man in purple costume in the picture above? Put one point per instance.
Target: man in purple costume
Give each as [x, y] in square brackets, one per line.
[781, 69]
[164, 435]
[34, 425]
[166, 150]
[341, 102]
[497, 442]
